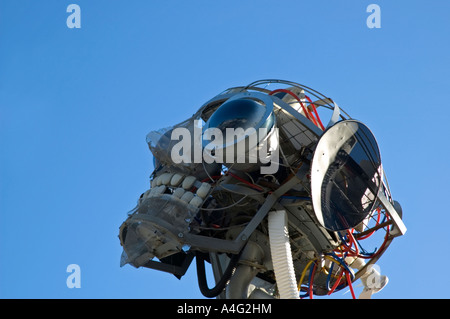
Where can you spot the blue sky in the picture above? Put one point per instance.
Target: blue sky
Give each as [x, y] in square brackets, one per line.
[76, 105]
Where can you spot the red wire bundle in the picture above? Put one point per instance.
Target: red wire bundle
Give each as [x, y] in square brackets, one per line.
[306, 110]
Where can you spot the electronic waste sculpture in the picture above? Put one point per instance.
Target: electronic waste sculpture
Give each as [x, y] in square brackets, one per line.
[280, 204]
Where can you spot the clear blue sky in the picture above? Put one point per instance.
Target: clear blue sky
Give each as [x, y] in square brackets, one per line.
[76, 105]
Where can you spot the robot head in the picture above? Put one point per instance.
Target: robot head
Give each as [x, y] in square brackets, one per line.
[209, 200]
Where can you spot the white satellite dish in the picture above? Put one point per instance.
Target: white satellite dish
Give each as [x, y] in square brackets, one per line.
[345, 175]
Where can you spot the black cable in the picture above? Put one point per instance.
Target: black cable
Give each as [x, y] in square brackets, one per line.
[220, 286]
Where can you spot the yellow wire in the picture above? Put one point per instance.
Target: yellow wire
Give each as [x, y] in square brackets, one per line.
[333, 260]
[327, 271]
[299, 286]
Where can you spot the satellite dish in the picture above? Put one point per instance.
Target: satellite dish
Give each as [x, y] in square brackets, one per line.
[345, 175]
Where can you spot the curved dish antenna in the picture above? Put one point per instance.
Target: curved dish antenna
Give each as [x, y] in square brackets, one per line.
[345, 175]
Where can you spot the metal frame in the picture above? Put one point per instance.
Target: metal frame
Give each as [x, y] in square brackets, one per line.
[316, 236]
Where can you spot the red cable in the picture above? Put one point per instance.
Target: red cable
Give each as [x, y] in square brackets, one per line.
[311, 282]
[353, 242]
[378, 222]
[315, 112]
[349, 281]
[335, 284]
[307, 114]
[347, 247]
[386, 237]
[310, 112]
[246, 182]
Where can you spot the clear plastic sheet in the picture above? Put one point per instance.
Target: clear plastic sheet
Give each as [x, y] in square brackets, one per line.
[162, 142]
[156, 229]
[169, 209]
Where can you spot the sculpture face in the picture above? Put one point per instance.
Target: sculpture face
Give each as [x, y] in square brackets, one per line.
[250, 159]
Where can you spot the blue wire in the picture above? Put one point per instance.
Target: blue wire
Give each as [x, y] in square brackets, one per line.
[309, 280]
[329, 277]
[363, 251]
[342, 263]
[310, 276]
